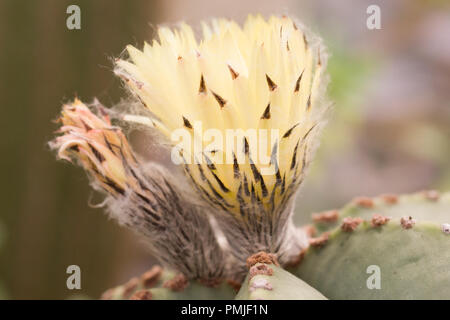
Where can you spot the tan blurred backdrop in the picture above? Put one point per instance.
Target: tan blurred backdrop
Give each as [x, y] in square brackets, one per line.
[389, 132]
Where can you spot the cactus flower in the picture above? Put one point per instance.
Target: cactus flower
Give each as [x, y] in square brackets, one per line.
[256, 91]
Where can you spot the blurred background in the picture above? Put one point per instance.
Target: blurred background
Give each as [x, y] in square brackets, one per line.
[390, 130]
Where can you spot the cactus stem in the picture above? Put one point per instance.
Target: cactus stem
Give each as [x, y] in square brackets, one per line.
[108, 294]
[212, 283]
[310, 230]
[446, 228]
[319, 241]
[349, 224]
[389, 198]
[260, 283]
[299, 258]
[364, 202]
[262, 257]
[130, 286]
[407, 222]
[432, 195]
[234, 284]
[260, 269]
[378, 220]
[326, 216]
[423, 260]
[141, 295]
[177, 283]
[151, 277]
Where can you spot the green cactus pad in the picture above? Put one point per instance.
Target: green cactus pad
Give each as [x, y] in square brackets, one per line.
[413, 263]
[153, 282]
[427, 206]
[280, 285]
[126, 290]
[195, 291]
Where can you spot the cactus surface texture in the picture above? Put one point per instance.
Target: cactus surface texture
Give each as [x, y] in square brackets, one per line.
[160, 284]
[426, 206]
[270, 282]
[402, 239]
[405, 239]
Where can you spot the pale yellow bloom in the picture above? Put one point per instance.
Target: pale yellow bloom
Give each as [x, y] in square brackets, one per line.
[265, 75]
